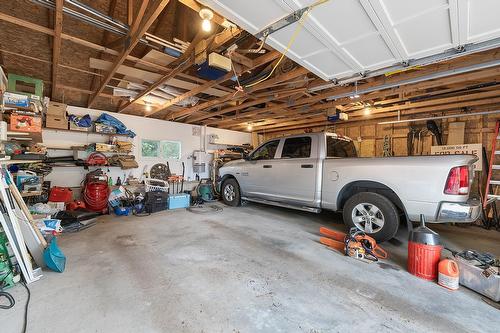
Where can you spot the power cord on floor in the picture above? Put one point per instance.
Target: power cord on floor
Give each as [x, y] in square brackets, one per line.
[12, 302]
[25, 325]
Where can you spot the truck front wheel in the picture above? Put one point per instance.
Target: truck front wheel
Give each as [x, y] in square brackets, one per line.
[230, 191]
[373, 214]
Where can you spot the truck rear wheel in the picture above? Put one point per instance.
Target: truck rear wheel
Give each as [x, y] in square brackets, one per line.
[230, 191]
[373, 214]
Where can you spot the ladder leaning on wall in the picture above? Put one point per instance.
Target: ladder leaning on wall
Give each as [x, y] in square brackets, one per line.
[492, 192]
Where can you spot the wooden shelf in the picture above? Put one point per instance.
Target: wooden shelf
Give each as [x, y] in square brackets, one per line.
[228, 144]
[76, 148]
[31, 194]
[9, 162]
[82, 132]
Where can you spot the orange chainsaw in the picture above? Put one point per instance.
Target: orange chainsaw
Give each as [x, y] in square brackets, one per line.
[355, 244]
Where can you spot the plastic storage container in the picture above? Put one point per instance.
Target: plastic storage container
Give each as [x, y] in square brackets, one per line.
[472, 278]
[156, 201]
[181, 200]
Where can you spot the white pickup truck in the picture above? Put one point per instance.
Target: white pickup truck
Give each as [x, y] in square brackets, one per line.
[318, 171]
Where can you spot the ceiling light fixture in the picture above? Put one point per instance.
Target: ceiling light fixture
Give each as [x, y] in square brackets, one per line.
[148, 108]
[367, 111]
[206, 15]
[249, 127]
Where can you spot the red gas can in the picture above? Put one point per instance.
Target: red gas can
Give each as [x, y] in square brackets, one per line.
[61, 194]
[424, 252]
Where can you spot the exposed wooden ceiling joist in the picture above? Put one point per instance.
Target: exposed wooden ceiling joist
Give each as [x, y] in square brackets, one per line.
[138, 29]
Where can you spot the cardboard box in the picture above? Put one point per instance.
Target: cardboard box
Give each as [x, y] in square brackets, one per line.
[22, 123]
[73, 127]
[57, 109]
[57, 122]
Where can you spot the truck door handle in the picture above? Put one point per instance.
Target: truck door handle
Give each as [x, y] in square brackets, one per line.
[307, 166]
[267, 166]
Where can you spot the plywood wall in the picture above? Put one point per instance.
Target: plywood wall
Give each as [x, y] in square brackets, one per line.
[369, 137]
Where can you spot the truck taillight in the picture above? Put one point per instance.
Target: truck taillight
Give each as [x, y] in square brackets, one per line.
[458, 181]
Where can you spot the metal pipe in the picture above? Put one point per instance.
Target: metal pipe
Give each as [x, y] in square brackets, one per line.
[82, 17]
[100, 15]
[432, 76]
[92, 21]
[440, 117]
[445, 56]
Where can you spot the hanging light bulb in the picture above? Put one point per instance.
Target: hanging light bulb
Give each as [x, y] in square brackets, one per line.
[206, 15]
[249, 127]
[148, 108]
[206, 25]
[367, 111]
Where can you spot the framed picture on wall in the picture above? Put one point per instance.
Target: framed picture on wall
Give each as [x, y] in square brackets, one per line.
[150, 148]
[170, 149]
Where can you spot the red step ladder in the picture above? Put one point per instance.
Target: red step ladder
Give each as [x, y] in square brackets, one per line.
[493, 180]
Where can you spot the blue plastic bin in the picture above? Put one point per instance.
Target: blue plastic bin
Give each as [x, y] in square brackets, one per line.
[181, 200]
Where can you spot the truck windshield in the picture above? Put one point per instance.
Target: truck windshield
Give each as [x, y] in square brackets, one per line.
[339, 147]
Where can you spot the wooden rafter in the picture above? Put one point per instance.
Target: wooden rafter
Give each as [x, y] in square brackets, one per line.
[258, 62]
[136, 31]
[441, 104]
[233, 96]
[56, 49]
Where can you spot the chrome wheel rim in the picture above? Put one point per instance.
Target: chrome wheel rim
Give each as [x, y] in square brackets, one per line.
[368, 218]
[229, 193]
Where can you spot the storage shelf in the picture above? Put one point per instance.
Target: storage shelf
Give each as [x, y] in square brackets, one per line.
[228, 144]
[85, 150]
[82, 132]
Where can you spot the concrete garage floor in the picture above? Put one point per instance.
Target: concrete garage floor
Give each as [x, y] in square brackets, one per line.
[247, 269]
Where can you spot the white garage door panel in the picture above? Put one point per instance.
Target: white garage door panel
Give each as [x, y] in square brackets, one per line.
[426, 34]
[328, 64]
[370, 52]
[305, 43]
[483, 17]
[344, 37]
[399, 10]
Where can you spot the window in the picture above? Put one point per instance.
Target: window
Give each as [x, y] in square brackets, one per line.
[336, 147]
[266, 152]
[297, 148]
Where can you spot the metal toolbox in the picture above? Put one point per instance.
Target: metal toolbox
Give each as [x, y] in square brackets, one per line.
[472, 277]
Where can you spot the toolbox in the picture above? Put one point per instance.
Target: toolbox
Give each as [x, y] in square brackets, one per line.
[473, 278]
[180, 200]
[156, 201]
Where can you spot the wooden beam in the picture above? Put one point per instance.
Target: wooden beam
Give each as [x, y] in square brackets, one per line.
[136, 31]
[426, 106]
[181, 64]
[16, 54]
[56, 49]
[76, 40]
[104, 41]
[130, 12]
[232, 96]
[258, 62]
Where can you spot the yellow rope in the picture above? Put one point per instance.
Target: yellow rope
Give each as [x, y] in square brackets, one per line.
[299, 27]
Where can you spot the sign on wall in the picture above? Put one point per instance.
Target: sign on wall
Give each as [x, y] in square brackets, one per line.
[161, 149]
[471, 149]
